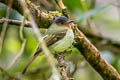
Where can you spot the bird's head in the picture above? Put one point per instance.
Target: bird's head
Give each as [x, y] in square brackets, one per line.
[63, 21]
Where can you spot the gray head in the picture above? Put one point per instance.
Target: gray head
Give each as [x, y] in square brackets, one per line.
[62, 20]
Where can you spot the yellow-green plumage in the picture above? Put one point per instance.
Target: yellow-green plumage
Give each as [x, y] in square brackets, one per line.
[58, 38]
[64, 43]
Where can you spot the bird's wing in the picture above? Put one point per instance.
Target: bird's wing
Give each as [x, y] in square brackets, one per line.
[49, 40]
[52, 38]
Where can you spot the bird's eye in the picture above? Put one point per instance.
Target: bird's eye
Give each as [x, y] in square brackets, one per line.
[62, 22]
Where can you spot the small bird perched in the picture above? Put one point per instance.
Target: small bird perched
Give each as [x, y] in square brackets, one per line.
[58, 37]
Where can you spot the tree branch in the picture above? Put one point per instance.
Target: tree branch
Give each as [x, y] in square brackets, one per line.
[62, 7]
[43, 19]
[92, 55]
[100, 41]
[15, 22]
[62, 66]
[39, 37]
[5, 25]
[113, 45]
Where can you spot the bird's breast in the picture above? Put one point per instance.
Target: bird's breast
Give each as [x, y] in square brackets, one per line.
[64, 43]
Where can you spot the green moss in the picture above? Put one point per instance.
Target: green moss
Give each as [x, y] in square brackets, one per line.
[54, 13]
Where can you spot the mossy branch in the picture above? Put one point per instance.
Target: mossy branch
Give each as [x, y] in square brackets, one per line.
[92, 55]
[88, 50]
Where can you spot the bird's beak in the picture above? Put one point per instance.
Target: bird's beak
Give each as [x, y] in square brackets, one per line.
[70, 21]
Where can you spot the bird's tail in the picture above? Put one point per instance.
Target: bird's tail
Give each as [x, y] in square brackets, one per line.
[30, 62]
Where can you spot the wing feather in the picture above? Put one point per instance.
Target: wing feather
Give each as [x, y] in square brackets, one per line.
[49, 40]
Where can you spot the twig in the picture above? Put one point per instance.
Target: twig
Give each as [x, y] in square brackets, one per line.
[18, 55]
[106, 72]
[43, 19]
[5, 25]
[62, 65]
[21, 30]
[16, 22]
[39, 13]
[23, 45]
[64, 9]
[7, 74]
[38, 36]
[114, 46]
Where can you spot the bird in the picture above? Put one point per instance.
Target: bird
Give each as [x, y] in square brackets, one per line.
[58, 38]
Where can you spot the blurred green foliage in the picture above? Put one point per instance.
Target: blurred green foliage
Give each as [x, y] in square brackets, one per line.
[81, 9]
